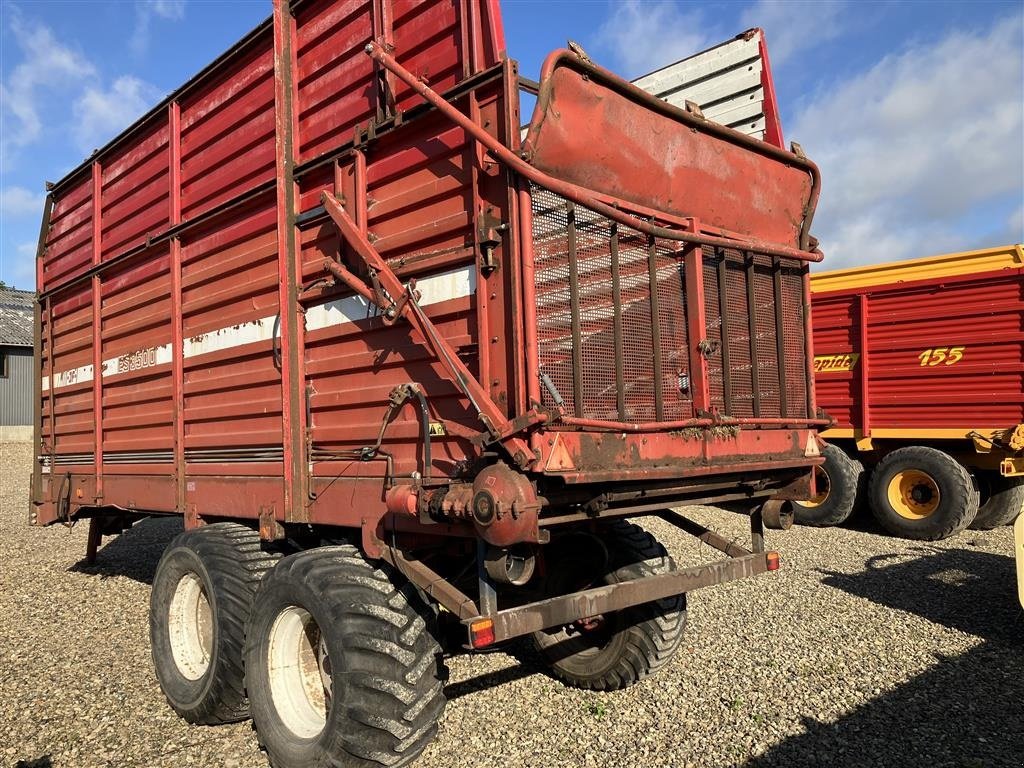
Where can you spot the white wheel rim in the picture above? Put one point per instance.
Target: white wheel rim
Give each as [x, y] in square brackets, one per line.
[190, 627]
[300, 672]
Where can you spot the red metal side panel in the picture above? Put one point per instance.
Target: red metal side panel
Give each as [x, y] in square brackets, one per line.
[227, 132]
[232, 389]
[68, 244]
[138, 410]
[186, 198]
[338, 85]
[135, 189]
[335, 77]
[942, 354]
[71, 382]
[836, 344]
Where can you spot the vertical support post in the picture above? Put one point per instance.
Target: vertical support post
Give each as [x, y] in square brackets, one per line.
[756, 531]
[506, 130]
[177, 321]
[383, 33]
[780, 339]
[49, 378]
[574, 308]
[37, 337]
[488, 601]
[755, 376]
[292, 386]
[723, 307]
[659, 378]
[865, 366]
[619, 344]
[808, 341]
[94, 540]
[486, 344]
[350, 186]
[97, 325]
[696, 326]
[530, 341]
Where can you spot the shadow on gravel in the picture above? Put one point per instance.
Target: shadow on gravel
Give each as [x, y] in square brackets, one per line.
[963, 713]
[967, 590]
[528, 665]
[39, 762]
[133, 553]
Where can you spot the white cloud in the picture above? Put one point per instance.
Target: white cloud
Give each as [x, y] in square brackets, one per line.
[46, 66]
[23, 272]
[100, 114]
[911, 149]
[644, 36]
[18, 201]
[1015, 225]
[791, 26]
[145, 12]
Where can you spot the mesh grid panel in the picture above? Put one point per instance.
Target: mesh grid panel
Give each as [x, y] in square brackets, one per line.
[574, 246]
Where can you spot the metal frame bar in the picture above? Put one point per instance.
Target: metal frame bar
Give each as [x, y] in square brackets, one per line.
[293, 417]
[620, 372]
[97, 326]
[37, 386]
[658, 372]
[696, 328]
[565, 609]
[864, 365]
[574, 304]
[780, 339]
[177, 320]
[722, 275]
[755, 374]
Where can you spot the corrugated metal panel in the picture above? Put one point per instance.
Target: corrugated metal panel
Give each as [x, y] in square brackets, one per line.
[16, 387]
[942, 353]
[730, 82]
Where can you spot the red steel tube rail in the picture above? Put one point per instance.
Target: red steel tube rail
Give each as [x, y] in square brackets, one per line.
[577, 194]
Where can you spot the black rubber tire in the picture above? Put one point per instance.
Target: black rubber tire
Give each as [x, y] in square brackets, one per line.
[1004, 503]
[958, 498]
[846, 485]
[229, 562]
[640, 640]
[386, 668]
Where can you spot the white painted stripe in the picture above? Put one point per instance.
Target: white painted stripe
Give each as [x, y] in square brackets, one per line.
[137, 360]
[226, 338]
[433, 289]
[339, 312]
[77, 375]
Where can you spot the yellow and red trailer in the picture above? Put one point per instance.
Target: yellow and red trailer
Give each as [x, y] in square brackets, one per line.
[920, 364]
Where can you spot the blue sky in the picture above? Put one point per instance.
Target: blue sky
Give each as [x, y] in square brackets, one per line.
[914, 111]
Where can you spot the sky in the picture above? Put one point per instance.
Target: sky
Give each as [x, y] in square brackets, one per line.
[913, 110]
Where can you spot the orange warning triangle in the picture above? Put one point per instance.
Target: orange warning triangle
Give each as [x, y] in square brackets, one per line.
[559, 458]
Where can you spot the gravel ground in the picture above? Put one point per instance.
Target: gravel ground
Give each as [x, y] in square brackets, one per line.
[862, 651]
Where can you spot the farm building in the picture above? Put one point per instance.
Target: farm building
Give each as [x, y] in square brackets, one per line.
[16, 357]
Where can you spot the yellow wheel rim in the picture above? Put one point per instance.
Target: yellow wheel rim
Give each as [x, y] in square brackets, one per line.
[913, 494]
[821, 482]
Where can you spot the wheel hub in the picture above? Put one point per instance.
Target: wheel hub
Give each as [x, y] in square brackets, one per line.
[913, 494]
[190, 627]
[300, 672]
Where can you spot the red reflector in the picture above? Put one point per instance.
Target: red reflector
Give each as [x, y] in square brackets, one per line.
[481, 633]
[772, 559]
